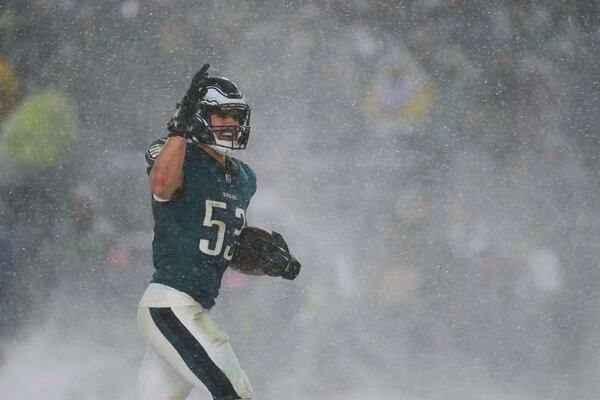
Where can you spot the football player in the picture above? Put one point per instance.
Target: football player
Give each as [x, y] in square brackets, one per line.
[199, 199]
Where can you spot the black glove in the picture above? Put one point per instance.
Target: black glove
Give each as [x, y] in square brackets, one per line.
[268, 252]
[180, 123]
[283, 265]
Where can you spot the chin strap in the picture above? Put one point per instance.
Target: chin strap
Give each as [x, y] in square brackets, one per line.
[220, 149]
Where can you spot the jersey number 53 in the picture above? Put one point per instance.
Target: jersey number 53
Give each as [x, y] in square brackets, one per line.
[217, 248]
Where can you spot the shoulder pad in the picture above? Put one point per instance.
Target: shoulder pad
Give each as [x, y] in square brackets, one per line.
[249, 172]
[153, 151]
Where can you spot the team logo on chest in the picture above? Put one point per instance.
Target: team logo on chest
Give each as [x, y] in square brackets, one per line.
[230, 196]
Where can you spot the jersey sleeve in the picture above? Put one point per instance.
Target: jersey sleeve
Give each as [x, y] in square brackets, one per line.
[252, 179]
[153, 152]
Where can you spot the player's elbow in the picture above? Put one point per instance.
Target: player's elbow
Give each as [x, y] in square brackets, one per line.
[254, 272]
[163, 187]
[160, 194]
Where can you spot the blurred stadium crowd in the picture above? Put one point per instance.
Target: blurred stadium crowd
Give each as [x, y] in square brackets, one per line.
[435, 163]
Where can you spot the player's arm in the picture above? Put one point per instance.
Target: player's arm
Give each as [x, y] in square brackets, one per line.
[255, 271]
[166, 175]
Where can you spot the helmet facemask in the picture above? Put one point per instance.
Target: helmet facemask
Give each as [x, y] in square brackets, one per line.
[234, 137]
[223, 98]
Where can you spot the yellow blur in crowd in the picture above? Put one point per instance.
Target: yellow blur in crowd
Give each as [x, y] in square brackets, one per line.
[400, 94]
[42, 130]
[9, 86]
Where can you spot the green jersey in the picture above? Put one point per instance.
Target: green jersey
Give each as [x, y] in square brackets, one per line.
[195, 231]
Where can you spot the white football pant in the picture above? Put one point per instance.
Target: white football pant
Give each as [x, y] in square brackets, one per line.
[187, 349]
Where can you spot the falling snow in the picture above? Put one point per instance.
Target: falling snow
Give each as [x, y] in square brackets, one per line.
[433, 165]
